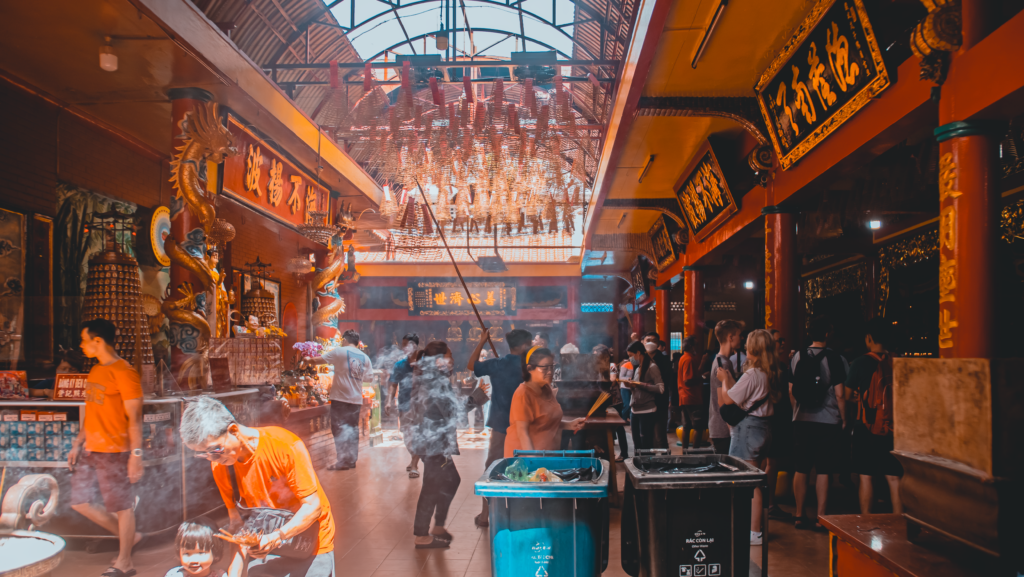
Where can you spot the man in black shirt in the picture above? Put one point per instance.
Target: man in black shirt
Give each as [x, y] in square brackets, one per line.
[870, 377]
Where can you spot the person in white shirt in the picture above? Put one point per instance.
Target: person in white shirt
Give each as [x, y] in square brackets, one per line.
[757, 390]
[351, 368]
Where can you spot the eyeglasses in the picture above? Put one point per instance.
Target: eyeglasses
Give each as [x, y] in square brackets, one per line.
[546, 368]
[216, 450]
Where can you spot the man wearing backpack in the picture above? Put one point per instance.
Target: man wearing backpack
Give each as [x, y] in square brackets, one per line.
[871, 378]
[819, 418]
[731, 359]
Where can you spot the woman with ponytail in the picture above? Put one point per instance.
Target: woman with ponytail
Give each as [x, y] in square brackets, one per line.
[535, 421]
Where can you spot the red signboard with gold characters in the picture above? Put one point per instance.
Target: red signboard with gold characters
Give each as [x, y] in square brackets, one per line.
[261, 177]
[70, 387]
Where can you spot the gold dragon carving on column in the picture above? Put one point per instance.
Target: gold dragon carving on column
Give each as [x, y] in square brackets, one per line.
[326, 281]
[205, 139]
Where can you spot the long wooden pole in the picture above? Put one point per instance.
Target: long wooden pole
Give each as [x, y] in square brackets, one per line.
[440, 231]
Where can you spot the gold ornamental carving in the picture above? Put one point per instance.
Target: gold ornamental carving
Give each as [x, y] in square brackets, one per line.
[205, 140]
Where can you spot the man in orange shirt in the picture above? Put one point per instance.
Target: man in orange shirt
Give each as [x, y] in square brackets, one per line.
[691, 398]
[272, 469]
[106, 458]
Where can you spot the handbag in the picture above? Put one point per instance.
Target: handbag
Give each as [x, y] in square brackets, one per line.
[267, 520]
[733, 414]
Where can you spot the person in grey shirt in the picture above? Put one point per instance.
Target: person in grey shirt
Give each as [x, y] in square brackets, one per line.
[731, 359]
[817, 431]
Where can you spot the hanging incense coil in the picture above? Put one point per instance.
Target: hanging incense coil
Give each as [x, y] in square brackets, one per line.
[114, 292]
[260, 303]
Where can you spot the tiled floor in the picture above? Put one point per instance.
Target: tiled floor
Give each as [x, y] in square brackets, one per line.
[373, 507]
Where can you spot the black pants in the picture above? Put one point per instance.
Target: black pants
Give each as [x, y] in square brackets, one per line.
[692, 421]
[643, 426]
[440, 481]
[345, 428]
[661, 424]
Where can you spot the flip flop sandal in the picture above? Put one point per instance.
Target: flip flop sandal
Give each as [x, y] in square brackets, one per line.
[479, 521]
[115, 572]
[338, 467]
[414, 474]
[802, 524]
[445, 536]
[436, 543]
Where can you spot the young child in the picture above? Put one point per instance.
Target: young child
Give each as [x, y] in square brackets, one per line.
[198, 549]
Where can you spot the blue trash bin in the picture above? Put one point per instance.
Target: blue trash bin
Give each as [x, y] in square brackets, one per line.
[547, 529]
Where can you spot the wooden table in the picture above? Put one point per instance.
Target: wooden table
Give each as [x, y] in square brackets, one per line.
[877, 545]
[607, 423]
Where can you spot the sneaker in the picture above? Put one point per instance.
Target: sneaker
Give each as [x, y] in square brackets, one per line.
[755, 538]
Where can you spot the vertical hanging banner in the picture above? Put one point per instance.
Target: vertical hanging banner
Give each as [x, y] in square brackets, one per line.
[829, 70]
[263, 178]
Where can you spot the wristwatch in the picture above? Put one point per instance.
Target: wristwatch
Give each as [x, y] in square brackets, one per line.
[137, 453]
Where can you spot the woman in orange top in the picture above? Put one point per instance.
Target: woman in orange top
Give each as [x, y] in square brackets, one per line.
[691, 399]
[535, 421]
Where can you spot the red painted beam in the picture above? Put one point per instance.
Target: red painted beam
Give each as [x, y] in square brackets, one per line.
[989, 63]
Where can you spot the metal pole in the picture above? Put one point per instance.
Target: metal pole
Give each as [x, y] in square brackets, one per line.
[440, 231]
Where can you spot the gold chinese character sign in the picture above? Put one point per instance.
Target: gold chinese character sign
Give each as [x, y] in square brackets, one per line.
[704, 195]
[492, 298]
[829, 70]
[662, 244]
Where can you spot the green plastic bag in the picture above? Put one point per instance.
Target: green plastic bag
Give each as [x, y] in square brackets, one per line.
[517, 471]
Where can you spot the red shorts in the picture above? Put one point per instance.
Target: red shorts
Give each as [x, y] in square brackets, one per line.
[102, 475]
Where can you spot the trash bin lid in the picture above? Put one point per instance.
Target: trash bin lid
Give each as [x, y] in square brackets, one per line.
[691, 472]
[489, 485]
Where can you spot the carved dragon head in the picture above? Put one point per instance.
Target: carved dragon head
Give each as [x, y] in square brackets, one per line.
[346, 219]
[204, 128]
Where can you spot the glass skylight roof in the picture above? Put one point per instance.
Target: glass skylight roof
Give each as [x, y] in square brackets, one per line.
[496, 28]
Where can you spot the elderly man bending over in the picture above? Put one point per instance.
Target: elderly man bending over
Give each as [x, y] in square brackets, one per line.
[273, 469]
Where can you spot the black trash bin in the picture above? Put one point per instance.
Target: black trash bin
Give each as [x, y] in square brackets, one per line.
[689, 516]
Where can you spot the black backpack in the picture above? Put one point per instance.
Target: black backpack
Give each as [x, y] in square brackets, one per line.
[808, 390]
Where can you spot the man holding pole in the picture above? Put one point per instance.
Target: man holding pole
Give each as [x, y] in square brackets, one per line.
[506, 374]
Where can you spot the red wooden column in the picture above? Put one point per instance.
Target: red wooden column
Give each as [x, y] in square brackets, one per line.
[780, 289]
[693, 305]
[968, 213]
[661, 313]
[183, 101]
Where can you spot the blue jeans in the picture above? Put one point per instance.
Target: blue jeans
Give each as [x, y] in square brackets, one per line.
[624, 412]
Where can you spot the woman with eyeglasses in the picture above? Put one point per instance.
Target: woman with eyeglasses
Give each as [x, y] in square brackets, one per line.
[535, 421]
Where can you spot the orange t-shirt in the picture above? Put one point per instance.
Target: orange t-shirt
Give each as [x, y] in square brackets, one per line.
[279, 475]
[690, 392]
[544, 415]
[106, 422]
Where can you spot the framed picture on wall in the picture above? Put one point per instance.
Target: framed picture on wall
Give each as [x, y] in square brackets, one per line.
[274, 287]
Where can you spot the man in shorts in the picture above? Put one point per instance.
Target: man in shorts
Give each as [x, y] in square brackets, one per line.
[506, 374]
[106, 458]
[272, 469]
[872, 431]
[817, 431]
[401, 383]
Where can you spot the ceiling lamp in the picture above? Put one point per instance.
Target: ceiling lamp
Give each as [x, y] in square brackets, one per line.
[108, 60]
[317, 229]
